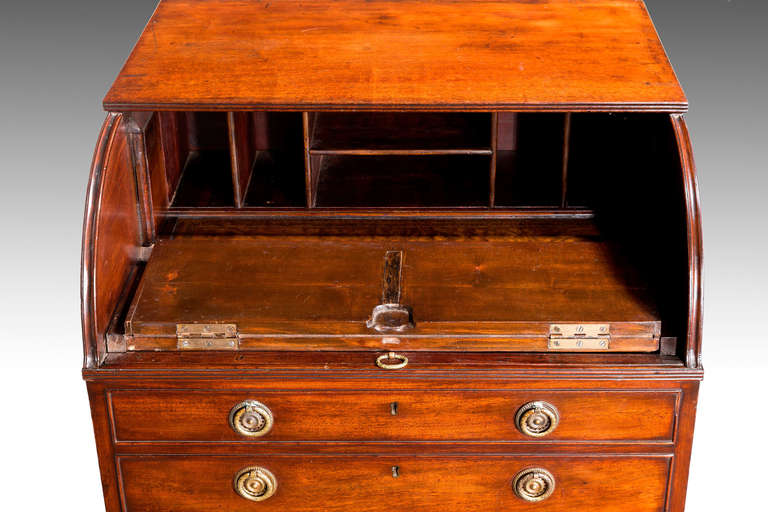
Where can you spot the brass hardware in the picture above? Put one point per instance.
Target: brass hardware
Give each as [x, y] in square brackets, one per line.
[255, 483]
[207, 337]
[251, 418]
[393, 408]
[533, 484]
[579, 337]
[390, 315]
[402, 361]
[537, 419]
[395, 471]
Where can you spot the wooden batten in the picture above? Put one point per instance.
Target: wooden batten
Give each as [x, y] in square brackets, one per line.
[241, 148]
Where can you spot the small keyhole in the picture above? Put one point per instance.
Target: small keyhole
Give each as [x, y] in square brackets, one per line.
[393, 408]
[395, 471]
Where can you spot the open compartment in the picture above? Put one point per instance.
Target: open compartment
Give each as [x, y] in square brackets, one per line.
[472, 277]
[233, 159]
[203, 176]
[530, 159]
[400, 132]
[400, 180]
[403, 159]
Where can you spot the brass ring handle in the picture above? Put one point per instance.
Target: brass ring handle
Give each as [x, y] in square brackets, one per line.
[402, 361]
[255, 483]
[251, 418]
[537, 419]
[533, 484]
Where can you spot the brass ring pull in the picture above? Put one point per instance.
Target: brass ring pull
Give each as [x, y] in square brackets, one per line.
[534, 484]
[402, 361]
[537, 419]
[251, 418]
[255, 483]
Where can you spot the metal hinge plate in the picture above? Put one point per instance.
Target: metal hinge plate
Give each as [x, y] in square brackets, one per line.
[207, 337]
[579, 337]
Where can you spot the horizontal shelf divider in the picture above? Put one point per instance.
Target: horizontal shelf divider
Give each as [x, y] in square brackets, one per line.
[411, 152]
[425, 213]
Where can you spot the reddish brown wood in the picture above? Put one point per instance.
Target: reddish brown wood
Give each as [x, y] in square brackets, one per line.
[421, 416]
[468, 294]
[365, 483]
[104, 447]
[278, 158]
[695, 247]
[680, 469]
[136, 125]
[111, 235]
[241, 150]
[566, 150]
[158, 174]
[514, 55]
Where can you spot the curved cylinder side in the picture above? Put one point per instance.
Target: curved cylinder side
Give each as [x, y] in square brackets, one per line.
[694, 241]
[110, 236]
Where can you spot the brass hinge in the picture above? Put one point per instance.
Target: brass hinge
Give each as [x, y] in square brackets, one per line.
[579, 337]
[207, 337]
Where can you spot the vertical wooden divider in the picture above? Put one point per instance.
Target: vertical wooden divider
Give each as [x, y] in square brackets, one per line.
[308, 177]
[494, 153]
[135, 125]
[566, 151]
[241, 153]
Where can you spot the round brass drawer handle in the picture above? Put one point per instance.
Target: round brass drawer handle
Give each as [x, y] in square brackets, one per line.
[537, 419]
[533, 484]
[255, 483]
[251, 418]
[401, 361]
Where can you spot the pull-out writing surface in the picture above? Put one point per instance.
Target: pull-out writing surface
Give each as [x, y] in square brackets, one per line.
[306, 293]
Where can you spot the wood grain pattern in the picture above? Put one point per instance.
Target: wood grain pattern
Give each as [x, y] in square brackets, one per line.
[278, 149]
[111, 236]
[311, 483]
[378, 55]
[421, 416]
[694, 242]
[481, 293]
[241, 151]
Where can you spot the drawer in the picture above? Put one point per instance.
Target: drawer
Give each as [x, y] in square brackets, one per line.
[367, 483]
[360, 416]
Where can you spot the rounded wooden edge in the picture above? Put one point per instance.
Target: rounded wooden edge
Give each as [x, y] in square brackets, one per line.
[694, 241]
[93, 198]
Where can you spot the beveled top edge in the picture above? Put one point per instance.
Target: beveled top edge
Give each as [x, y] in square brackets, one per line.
[443, 55]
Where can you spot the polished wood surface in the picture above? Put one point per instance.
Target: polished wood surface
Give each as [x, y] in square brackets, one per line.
[480, 293]
[366, 483]
[694, 243]
[111, 236]
[394, 415]
[442, 55]
[526, 163]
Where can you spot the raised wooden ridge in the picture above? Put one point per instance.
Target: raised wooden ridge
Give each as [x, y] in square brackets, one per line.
[559, 55]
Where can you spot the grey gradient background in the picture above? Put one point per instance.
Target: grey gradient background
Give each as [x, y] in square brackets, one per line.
[57, 59]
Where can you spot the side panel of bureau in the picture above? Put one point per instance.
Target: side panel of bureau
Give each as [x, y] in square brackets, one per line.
[367, 483]
[394, 415]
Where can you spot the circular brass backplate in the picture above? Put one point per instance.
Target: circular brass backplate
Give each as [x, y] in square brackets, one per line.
[533, 484]
[537, 419]
[255, 483]
[251, 418]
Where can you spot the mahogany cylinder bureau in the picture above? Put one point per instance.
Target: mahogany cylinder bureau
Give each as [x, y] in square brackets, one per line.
[394, 255]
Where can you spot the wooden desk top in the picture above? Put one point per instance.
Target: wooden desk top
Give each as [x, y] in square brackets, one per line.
[393, 55]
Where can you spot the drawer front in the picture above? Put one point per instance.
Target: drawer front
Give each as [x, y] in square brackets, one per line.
[367, 483]
[360, 416]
